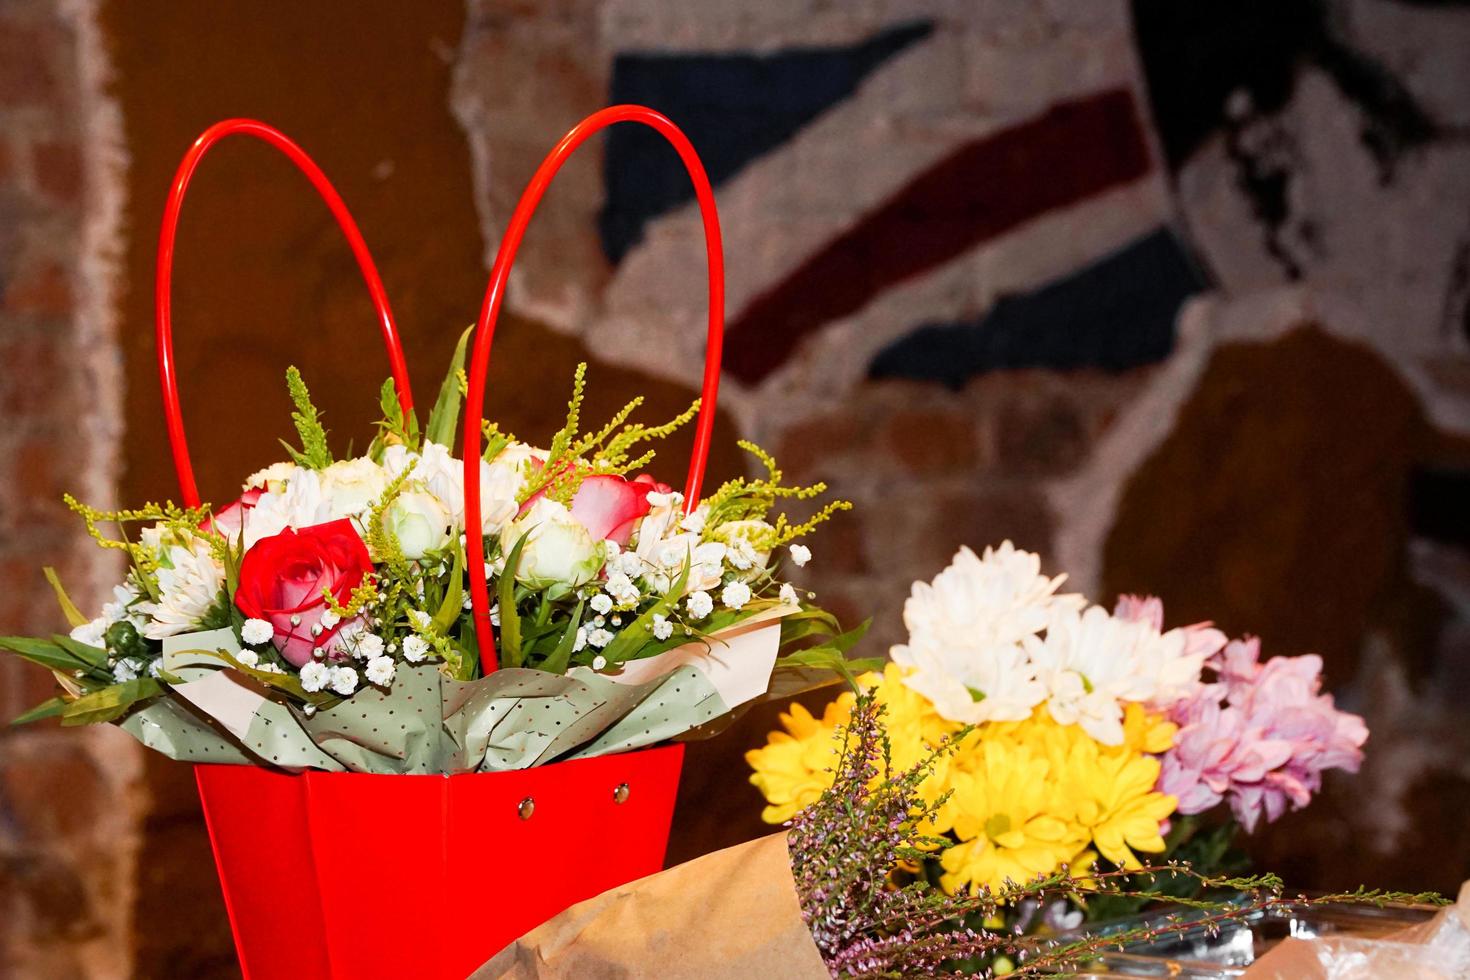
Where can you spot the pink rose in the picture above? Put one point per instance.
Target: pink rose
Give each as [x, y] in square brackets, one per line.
[283, 578]
[231, 518]
[608, 506]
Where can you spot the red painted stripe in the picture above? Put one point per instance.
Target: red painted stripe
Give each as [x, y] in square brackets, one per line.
[982, 190]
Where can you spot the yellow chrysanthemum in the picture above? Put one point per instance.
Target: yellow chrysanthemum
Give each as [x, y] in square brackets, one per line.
[1026, 797]
[1109, 790]
[794, 766]
[1147, 731]
[1005, 816]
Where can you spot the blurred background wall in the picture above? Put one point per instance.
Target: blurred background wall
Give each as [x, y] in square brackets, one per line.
[1176, 294]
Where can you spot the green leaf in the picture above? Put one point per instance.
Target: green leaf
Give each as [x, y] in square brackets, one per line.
[49, 708]
[86, 653]
[42, 652]
[453, 603]
[561, 657]
[636, 634]
[110, 702]
[510, 620]
[830, 658]
[444, 418]
[68, 608]
[846, 641]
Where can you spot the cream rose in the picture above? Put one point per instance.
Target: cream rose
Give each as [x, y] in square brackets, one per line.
[420, 522]
[559, 555]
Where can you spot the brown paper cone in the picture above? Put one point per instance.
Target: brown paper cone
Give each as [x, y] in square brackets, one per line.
[730, 915]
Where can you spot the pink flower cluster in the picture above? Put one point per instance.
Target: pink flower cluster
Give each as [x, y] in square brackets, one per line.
[1260, 736]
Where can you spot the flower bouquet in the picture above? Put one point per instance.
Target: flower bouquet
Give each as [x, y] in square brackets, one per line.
[831, 898]
[414, 679]
[1074, 736]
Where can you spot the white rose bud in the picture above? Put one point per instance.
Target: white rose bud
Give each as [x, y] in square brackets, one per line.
[420, 522]
[558, 556]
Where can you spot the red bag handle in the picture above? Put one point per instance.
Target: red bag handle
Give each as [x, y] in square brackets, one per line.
[167, 377]
[490, 312]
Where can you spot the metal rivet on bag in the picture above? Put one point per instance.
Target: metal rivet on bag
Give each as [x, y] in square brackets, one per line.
[620, 795]
[527, 807]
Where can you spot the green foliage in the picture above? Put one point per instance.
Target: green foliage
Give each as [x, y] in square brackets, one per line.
[444, 419]
[743, 499]
[69, 609]
[179, 523]
[394, 428]
[609, 450]
[314, 453]
[49, 708]
[60, 653]
[109, 703]
[510, 619]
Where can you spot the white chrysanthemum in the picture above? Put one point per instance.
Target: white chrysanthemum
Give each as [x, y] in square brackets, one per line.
[973, 683]
[998, 599]
[601, 603]
[415, 648]
[189, 583]
[662, 628]
[735, 595]
[344, 680]
[380, 671]
[315, 676]
[787, 594]
[257, 631]
[1093, 662]
[800, 554]
[699, 604]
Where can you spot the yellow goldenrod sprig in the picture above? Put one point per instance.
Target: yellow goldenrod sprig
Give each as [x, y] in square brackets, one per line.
[381, 541]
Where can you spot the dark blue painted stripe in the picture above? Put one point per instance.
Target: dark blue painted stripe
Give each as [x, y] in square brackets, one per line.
[1115, 314]
[733, 107]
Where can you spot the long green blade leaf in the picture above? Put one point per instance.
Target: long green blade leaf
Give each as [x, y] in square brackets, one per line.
[42, 652]
[49, 708]
[109, 703]
[68, 608]
[444, 419]
[562, 655]
[510, 620]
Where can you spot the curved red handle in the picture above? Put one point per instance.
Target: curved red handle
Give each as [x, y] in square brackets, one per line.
[490, 311]
[164, 280]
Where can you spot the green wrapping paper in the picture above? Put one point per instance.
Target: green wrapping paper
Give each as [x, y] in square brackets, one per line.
[427, 722]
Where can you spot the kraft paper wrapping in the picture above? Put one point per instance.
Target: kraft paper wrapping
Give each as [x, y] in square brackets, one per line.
[730, 915]
[1435, 950]
[427, 722]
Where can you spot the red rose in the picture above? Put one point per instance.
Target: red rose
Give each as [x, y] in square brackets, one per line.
[232, 517]
[282, 579]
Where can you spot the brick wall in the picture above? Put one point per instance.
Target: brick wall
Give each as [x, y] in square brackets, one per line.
[69, 801]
